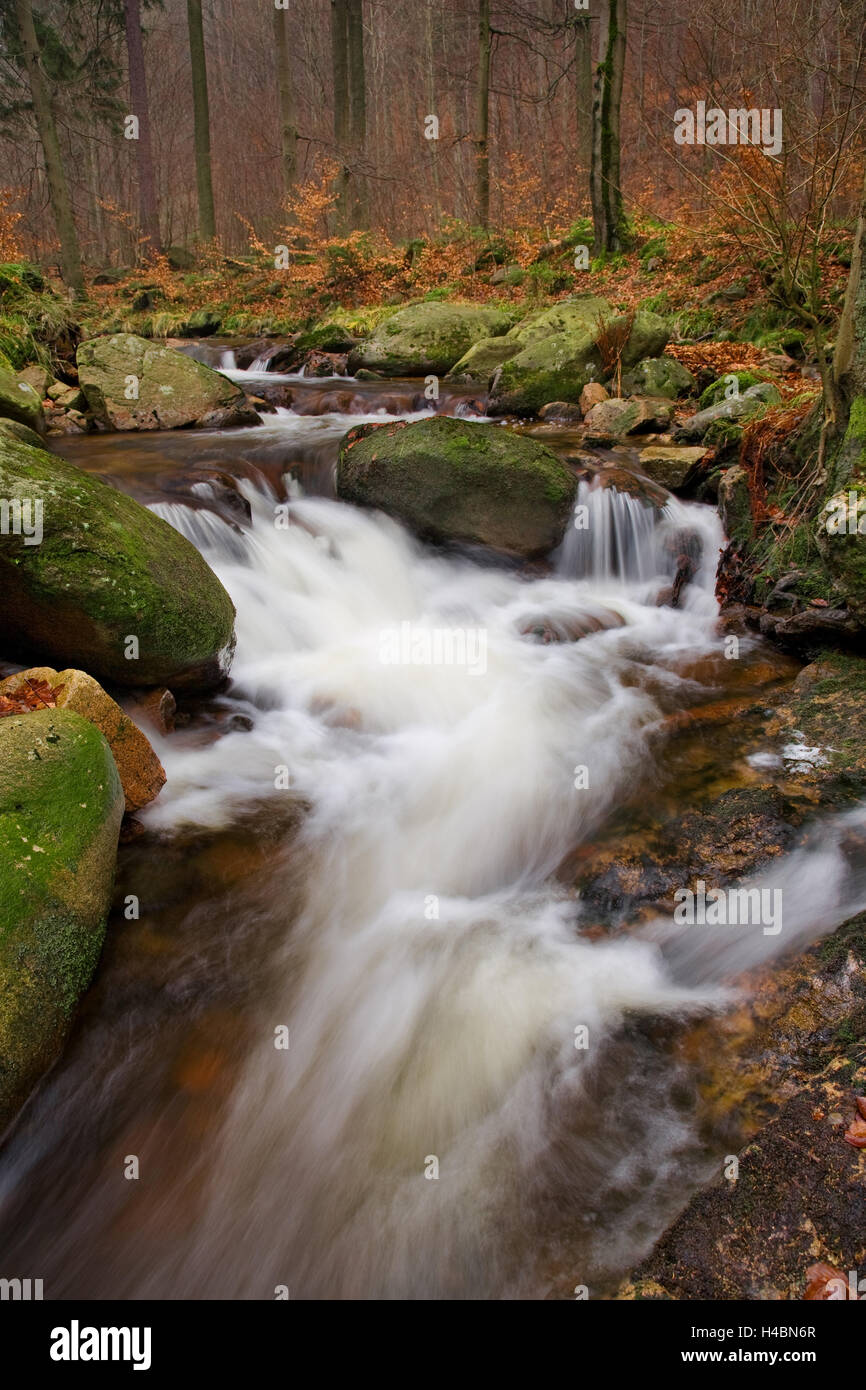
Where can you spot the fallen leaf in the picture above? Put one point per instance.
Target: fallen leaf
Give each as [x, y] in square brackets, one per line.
[856, 1133]
[825, 1283]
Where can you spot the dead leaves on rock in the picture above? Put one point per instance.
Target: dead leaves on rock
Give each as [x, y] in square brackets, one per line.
[33, 694]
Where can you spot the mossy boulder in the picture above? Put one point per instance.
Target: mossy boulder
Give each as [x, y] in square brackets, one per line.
[841, 536]
[480, 362]
[723, 387]
[427, 339]
[735, 505]
[659, 376]
[13, 429]
[202, 324]
[742, 407]
[19, 400]
[132, 384]
[450, 480]
[61, 804]
[105, 571]
[556, 362]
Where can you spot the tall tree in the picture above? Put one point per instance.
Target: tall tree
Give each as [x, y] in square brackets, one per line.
[357, 108]
[605, 189]
[583, 88]
[482, 117]
[340, 83]
[148, 212]
[58, 188]
[201, 117]
[286, 94]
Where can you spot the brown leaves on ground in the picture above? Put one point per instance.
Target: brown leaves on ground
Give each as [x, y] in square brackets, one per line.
[825, 1283]
[33, 694]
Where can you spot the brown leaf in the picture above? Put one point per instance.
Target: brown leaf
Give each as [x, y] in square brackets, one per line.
[856, 1133]
[825, 1283]
[861, 1105]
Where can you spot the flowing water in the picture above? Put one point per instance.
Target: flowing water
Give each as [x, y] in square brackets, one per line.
[355, 855]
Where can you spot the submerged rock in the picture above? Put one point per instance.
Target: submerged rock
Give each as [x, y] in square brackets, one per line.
[426, 339]
[105, 585]
[132, 384]
[61, 804]
[453, 481]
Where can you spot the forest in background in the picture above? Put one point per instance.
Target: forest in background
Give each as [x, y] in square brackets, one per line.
[244, 109]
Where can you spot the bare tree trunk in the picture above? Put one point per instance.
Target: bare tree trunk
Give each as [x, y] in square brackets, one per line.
[583, 89]
[201, 115]
[482, 117]
[430, 69]
[340, 73]
[286, 91]
[607, 208]
[148, 211]
[58, 188]
[357, 110]
[849, 362]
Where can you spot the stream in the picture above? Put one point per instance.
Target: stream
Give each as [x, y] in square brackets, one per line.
[340, 1040]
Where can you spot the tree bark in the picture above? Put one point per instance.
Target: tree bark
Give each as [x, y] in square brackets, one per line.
[286, 92]
[148, 213]
[583, 89]
[430, 72]
[58, 188]
[849, 362]
[201, 117]
[482, 118]
[357, 110]
[607, 208]
[340, 78]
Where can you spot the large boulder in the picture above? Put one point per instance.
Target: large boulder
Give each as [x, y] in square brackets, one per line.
[560, 354]
[101, 583]
[141, 773]
[131, 384]
[451, 480]
[480, 362]
[61, 804]
[19, 400]
[426, 339]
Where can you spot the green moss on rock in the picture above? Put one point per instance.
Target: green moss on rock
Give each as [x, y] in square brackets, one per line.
[106, 570]
[453, 481]
[61, 804]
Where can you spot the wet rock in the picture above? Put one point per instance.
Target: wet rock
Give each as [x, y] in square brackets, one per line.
[141, 773]
[110, 588]
[617, 418]
[157, 708]
[425, 339]
[452, 481]
[670, 466]
[561, 412]
[591, 395]
[133, 384]
[61, 804]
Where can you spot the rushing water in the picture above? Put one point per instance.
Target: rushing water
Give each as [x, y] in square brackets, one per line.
[364, 856]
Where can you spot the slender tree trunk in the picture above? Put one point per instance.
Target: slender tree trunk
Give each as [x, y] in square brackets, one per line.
[482, 118]
[286, 91]
[430, 72]
[201, 116]
[357, 110]
[849, 362]
[583, 90]
[58, 188]
[148, 213]
[605, 187]
[340, 75]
